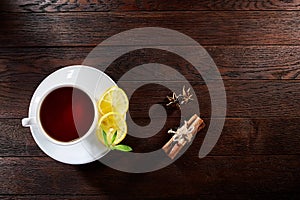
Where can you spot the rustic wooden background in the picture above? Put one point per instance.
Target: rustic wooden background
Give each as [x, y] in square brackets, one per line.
[256, 46]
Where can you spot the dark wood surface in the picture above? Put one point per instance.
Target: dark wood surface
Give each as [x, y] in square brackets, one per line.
[255, 45]
[228, 27]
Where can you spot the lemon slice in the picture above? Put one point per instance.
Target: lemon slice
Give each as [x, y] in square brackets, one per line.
[110, 123]
[113, 100]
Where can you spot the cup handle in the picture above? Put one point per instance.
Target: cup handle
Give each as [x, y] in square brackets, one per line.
[27, 122]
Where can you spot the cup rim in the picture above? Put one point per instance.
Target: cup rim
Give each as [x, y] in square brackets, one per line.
[79, 139]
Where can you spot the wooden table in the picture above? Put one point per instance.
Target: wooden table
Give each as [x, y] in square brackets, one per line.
[256, 46]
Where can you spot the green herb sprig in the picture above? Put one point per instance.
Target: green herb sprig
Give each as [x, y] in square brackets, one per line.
[119, 147]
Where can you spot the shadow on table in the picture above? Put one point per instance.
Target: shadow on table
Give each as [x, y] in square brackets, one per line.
[103, 180]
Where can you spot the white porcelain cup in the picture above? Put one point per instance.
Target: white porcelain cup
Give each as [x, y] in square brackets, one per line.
[36, 120]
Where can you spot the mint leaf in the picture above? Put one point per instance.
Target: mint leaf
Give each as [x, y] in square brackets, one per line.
[113, 138]
[122, 147]
[105, 138]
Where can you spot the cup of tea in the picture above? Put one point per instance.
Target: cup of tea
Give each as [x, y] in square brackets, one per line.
[66, 114]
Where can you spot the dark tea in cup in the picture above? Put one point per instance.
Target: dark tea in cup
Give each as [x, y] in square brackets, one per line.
[66, 114]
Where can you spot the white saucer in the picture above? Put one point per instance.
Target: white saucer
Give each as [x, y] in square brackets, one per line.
[92, 80]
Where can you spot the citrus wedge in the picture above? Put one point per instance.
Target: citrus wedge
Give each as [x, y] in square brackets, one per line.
[110, 123]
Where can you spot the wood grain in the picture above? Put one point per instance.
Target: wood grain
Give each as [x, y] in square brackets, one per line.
[68, 6]
[16, 140]
[255, 45]
[89, 29]
[278, 196]
[144, 5]
[267, 136]
[173, 5]
[259, 174]
[234, 62]
[254, 99]
[18, 71]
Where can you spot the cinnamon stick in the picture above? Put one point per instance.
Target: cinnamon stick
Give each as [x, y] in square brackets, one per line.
[173, 147]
